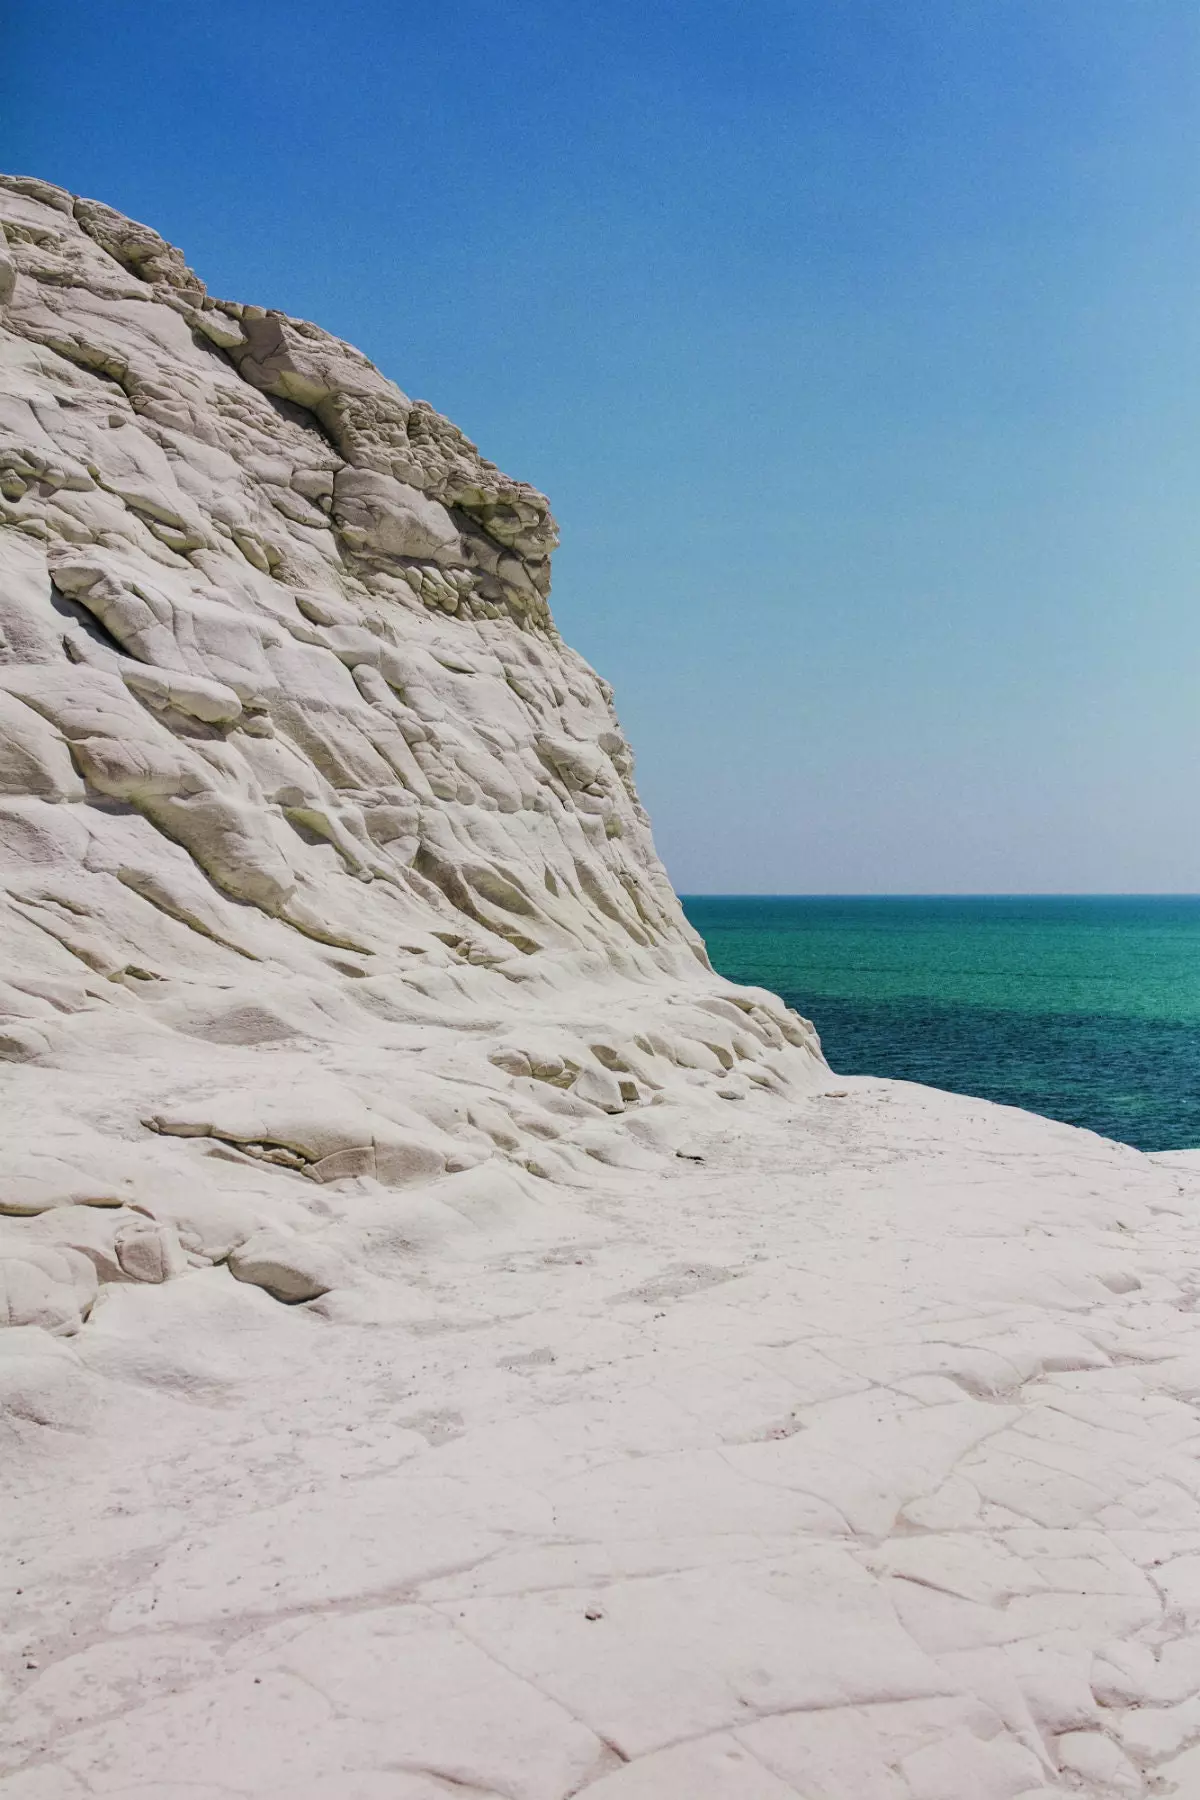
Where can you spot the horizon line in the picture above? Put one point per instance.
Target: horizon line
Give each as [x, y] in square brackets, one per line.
[964, 894]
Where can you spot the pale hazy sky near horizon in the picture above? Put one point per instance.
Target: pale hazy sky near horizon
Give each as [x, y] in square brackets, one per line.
[856, 342]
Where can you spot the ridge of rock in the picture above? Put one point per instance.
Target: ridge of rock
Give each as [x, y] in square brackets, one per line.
[313, 832]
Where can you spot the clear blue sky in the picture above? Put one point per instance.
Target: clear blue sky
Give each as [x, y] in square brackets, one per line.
[856, 342]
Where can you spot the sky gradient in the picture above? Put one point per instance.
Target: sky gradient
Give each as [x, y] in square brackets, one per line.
[857, 345]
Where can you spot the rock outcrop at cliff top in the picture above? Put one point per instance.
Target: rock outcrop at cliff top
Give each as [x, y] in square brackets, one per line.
[316, 841]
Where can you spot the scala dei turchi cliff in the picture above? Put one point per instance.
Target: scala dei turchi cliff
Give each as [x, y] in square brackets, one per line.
[322, 856]
[458, 1344]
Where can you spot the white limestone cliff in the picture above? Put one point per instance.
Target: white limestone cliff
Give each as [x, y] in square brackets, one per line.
[313, 831]
[459, 1344]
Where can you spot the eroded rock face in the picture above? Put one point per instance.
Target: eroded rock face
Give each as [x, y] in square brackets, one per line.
[321, 861]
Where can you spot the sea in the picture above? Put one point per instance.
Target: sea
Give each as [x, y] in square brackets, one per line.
[1084, 1008]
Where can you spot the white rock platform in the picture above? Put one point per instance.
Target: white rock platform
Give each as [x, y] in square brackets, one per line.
[856, 1462]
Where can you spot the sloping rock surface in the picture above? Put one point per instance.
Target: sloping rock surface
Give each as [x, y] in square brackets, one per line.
[314, 836]
[458, 1344]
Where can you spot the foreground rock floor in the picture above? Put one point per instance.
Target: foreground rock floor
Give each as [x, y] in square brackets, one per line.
[856, 1461]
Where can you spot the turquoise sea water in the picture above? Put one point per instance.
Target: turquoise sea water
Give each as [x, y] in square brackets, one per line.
[1086, 1009]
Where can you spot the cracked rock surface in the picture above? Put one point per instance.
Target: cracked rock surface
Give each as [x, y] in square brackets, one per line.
[456, 1343]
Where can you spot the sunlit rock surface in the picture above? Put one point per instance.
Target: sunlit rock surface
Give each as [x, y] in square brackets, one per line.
[457, 1342]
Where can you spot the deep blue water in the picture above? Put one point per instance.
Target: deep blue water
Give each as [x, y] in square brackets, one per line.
[1083, 1008]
